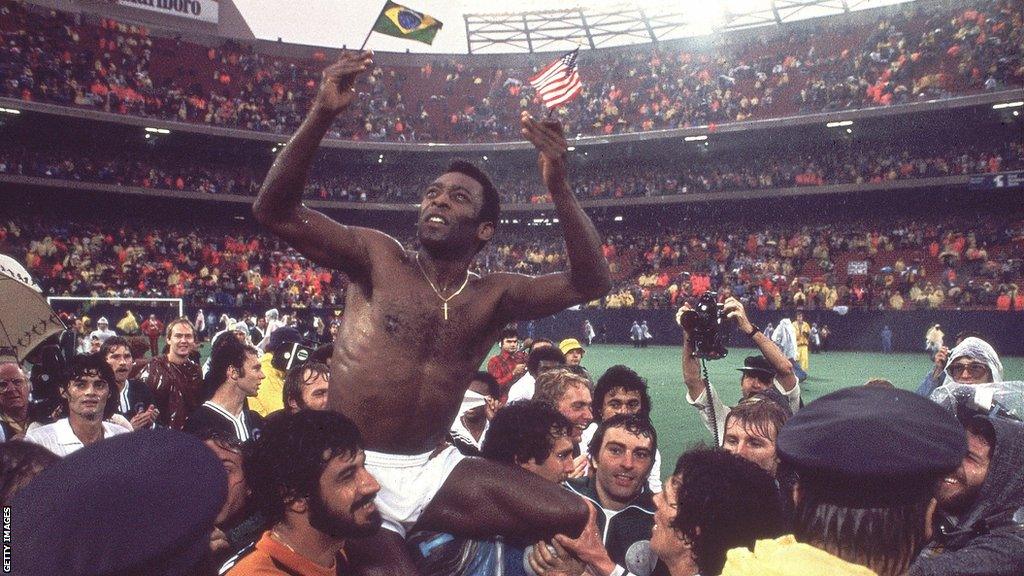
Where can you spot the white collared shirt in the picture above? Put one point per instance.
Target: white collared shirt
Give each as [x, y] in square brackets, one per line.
[522, 389]
[60, 439]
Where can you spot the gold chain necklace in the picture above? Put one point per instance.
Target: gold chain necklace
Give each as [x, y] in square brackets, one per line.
[281, 540]
[278, 537]
[444, 300]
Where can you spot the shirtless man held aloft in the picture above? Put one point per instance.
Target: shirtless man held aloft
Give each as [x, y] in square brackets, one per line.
[417, 325]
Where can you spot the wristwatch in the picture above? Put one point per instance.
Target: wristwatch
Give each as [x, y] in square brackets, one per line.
[754, 329]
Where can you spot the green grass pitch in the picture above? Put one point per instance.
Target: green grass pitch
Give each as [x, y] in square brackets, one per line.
[678, 424]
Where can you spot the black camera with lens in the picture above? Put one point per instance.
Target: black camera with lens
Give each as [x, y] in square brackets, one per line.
[704, 326]
[50, 367]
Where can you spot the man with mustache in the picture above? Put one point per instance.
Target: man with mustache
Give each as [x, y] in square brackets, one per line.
[979, 533]
[320, 500]
[134, 400]
[418, 324]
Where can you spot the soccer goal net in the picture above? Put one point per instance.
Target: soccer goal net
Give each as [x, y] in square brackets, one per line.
[125, 312]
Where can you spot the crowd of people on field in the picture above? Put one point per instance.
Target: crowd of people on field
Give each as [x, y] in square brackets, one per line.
[931, 480]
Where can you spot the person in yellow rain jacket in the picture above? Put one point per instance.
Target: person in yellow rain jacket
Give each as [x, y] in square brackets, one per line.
[270, 397]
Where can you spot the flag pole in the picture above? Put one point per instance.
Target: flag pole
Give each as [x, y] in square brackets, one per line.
[377, 19]
[365, 40]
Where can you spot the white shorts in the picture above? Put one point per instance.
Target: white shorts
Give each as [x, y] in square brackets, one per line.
[409, 483]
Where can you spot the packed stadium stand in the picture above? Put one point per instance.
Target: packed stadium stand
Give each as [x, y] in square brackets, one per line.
[915, 62]
[916, 52]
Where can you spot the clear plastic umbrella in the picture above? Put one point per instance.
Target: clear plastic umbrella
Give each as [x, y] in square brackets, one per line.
[25, 317]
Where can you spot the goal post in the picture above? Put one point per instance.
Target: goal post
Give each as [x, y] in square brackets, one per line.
[115, 308]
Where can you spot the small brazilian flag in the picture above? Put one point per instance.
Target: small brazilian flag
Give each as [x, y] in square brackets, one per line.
[401, 22]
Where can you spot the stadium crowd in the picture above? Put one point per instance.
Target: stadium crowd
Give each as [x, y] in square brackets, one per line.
[333, 180]
[908, 265]
[919, 51]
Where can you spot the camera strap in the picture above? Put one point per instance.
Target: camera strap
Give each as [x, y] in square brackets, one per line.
[710, 407]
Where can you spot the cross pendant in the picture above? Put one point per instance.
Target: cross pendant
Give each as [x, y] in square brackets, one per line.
[445, 310]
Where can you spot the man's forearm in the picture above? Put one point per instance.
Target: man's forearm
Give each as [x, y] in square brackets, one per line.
[771, 351]
[588, 269]
[283, 187]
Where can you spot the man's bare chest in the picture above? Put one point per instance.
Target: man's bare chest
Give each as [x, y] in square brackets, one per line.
[416, 319]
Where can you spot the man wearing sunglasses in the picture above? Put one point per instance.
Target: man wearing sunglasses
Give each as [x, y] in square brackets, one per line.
[973, 361]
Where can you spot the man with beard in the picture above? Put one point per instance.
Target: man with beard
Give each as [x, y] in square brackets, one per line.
[978, 531]
[322, 498]
[430, 321]
[306, 387]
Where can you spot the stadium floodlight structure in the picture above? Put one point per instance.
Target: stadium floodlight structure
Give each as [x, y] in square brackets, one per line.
[638, 22]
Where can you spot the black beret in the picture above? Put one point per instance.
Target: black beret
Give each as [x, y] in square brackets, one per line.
[865, 447]
[142, 502]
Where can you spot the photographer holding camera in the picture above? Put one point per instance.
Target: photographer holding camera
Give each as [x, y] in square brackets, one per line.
[759, 373]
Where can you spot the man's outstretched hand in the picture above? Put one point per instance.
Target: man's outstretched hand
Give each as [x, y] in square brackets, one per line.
[337, 86]
[546, 136]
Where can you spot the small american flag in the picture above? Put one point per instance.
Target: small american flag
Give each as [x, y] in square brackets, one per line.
[558, 82]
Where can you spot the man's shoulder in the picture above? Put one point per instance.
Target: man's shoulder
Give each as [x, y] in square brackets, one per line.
[45, 431]
[137, 389]
[583, 486]
[254, 418]
[204, 417]
[113, 429]
[246, 561]
[157, 361]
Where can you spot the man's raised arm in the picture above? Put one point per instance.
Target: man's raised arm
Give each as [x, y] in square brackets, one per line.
[784, 374]
[588, 277]
[691, 365]
[279, 204]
